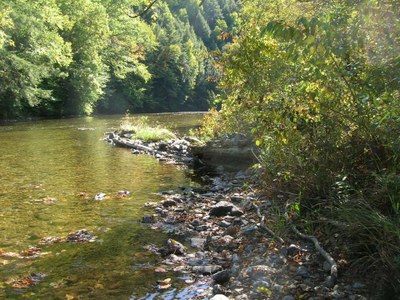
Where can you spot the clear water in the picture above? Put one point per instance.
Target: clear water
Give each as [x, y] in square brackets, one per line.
[61, 159]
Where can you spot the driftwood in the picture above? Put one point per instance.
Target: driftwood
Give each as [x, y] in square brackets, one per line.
[130, 144]
[334, 268]
[265, 227]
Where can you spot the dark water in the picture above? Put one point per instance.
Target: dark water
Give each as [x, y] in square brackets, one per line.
[61, 159]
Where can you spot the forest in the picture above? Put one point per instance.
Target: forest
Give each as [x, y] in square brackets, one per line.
[60, 58]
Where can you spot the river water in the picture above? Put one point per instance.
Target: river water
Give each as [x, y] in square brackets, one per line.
[45, 168]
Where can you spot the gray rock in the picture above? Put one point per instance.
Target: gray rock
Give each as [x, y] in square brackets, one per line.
[148, 219]
[219, 297]
[221, 277]
[303, 272]
[262, 283]
[224, 208]
[207, 270]
[225, 224]
[197, 242]
[168, 203]
[327, 266]
[175, 247]
[288, 297]
[359, 285]
[249, 230]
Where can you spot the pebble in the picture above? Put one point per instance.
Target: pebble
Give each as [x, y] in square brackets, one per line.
[219, 297]
[303, 272]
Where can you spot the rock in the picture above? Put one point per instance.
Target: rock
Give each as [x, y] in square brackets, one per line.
[174, 247]
[219, 297]
[303, 272]
[288, 297]
[207, 270]
[359, 285]
[80, 236]
[223, 208]
[262, 284]
[225, 224]
[259, 271]
[168, 203]
[148, 219]
[249, 230]
[163, 146]
[293, 250]
[197, 242]
[327, 266]
[219, 289]
[99, 196]
[221, 277]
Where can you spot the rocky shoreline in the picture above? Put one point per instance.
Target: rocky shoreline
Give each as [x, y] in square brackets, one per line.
[230, 254]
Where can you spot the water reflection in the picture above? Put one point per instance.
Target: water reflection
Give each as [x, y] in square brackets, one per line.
[61, 159]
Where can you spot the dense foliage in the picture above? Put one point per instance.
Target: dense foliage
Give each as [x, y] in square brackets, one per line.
[316, 84]
[67, 57]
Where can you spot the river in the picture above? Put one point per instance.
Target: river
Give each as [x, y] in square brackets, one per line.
[50, 171]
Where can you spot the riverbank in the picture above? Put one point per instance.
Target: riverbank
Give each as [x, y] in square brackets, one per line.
[229, 249]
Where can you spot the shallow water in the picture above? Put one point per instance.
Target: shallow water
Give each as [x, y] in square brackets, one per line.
[61, 159]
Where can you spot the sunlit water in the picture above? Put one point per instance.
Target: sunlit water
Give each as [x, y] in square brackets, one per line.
[61, 159]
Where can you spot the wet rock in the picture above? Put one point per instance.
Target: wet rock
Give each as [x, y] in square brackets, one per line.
[221, 277]
[148, 219]
[303, 272]
[99, 196]
[80, 236]
[207, 270]
[262, 283]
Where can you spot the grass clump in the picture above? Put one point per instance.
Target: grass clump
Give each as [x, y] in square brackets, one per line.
[140, 129]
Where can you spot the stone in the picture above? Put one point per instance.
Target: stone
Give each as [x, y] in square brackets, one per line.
[148, 219]
[223, 208]
[225, 224]
[219, 297]
[168, 203]
[197, 242]
[327, 266]
[221, 277]
[303, 272]
[249, 230]
[207, 270]
[359, 285]
[175, 247]
[288, 297]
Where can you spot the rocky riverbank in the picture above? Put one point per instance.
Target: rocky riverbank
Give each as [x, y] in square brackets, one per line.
[229, 248]
[221, 246]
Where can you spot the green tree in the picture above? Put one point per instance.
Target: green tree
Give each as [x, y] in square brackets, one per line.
[31, 51]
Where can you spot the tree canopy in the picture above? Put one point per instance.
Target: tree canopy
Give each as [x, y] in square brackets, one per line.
[64, 57]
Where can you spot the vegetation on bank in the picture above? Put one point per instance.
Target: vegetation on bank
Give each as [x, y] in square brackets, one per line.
[316, 84]
[73, 57]
[139, 128]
